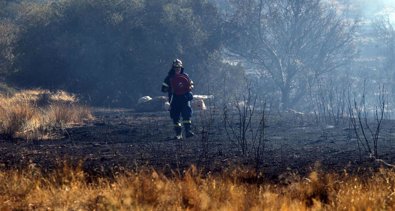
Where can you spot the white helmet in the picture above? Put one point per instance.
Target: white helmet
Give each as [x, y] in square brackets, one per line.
[177, 63]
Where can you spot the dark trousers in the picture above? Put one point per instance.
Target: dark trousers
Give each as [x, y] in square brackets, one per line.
[178, 110]
[180, 107]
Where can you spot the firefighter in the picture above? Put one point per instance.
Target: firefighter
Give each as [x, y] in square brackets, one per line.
[178, 85]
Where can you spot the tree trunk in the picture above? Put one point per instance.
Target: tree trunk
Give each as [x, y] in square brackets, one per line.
[284, 98]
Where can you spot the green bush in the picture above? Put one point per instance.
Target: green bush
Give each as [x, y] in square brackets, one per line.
[114, 51]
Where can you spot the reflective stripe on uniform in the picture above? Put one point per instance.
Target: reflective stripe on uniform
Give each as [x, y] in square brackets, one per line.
[191, 86]
[165, 84]
[187, 122]
[177, 125]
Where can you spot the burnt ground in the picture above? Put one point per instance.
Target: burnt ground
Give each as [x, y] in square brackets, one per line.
[119, 140]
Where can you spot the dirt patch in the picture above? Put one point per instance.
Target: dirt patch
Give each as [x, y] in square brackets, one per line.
[120, 140]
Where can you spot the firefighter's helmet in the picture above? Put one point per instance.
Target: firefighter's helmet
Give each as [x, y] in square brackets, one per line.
[177, 63]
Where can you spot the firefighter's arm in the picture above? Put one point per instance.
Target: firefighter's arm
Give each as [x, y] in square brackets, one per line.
[165, 85]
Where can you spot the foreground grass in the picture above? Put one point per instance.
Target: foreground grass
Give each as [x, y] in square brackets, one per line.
[36, 114]
[68, 189]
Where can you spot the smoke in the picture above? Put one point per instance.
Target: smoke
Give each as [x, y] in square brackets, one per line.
[367, 9]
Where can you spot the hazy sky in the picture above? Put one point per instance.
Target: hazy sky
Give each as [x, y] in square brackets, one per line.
[378, 7]
[371, 9]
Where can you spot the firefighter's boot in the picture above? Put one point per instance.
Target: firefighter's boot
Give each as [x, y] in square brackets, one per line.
[178, 130]
[188, 131]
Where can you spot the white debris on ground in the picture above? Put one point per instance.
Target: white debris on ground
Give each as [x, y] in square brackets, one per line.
[144, 99]
[203, 97]
[198, 104]
[161, 103]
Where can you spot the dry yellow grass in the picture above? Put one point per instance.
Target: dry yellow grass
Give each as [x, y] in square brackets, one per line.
[67, 189]
[34, 114]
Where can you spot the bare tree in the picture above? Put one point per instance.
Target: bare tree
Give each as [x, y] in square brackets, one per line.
[367, 132]
[237, 128]
[207, 127]
[385, 34]
[291, 42]
[244, 123]
[329, 102]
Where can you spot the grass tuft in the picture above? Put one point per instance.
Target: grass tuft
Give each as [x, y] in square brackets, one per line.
[67, 189]
[36, 114]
